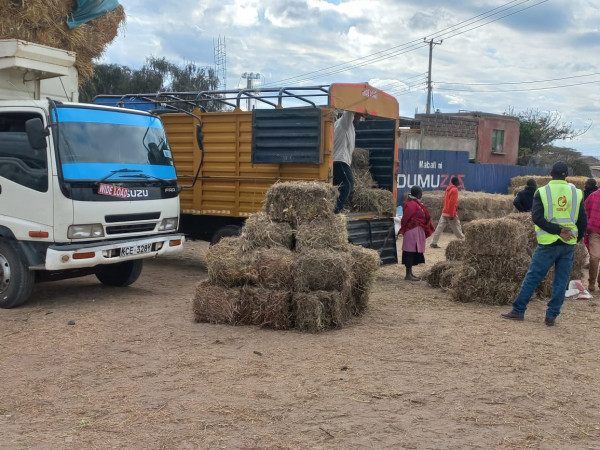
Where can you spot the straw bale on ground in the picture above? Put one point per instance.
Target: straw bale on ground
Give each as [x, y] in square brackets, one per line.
[499, 237]
[44, 22]
[323, 270]
[274, 267]
[365, 262]
[432, 276]
[214, 303]
[318, 310]
[266, 308]
[327, 232]
[517, 183]
[453, 276]
[455, 251]
[471, 205]
[260, 231]
[297, 201]
[499, 293]
[228, 265]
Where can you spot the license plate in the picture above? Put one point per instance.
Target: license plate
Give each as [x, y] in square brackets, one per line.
[136, 249]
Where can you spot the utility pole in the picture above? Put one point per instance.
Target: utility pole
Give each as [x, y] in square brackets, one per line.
[250, 76]
[431, 43]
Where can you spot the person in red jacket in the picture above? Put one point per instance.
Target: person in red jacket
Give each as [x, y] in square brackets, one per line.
[416, 227]
[449, 214]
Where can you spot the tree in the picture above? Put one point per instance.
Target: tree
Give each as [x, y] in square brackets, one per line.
[157, 75]
[572, 158]
[539, 130]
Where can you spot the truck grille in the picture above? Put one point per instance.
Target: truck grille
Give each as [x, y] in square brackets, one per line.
[135, 228]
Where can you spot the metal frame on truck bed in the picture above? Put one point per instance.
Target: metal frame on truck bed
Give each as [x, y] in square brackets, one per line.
[229, 157]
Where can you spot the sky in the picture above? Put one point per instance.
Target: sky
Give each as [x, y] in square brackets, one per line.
[493, 56]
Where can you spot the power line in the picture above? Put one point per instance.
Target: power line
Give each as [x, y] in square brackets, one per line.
[522, 90]
[518, 82]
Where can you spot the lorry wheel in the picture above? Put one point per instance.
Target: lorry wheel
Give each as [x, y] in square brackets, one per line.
[16, 280]
[226, 231]
[121, 274]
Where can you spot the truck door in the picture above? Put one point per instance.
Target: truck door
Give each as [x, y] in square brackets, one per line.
[25, 192]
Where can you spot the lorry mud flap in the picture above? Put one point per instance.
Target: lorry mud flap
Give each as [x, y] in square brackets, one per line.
[378, 234]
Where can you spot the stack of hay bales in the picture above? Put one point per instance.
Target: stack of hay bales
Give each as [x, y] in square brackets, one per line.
[292, 266]
[491, 263]
[471, 205]
[366, 196]
[44, 22]
[519, 183]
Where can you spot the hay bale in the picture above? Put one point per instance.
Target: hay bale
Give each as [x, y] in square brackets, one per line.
[318, 310]
[433, 275]
[216, 304]
[455, 251]
[360, 159]
[491, 267]
[328, 232]
[380, 201]
[455, 274]
[322, 270]
[497, 293]
[267, 308]
[44, 22]
[365, 262]
[521, 181]
[296, 201]
[260, 231]
[274, 267]
[499, 237]
[228, 265]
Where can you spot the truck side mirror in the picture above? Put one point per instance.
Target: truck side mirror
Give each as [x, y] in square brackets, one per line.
[36, 133]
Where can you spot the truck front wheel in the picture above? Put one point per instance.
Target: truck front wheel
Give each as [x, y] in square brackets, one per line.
[16, 280]
[121, 274]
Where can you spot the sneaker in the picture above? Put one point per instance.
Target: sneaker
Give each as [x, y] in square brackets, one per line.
[435, 246]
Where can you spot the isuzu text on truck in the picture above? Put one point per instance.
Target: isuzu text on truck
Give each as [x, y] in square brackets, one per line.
[83, 189]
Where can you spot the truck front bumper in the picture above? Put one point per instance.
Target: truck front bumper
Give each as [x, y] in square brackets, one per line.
[73, 256]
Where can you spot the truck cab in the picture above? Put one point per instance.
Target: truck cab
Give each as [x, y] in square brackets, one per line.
[84, 189]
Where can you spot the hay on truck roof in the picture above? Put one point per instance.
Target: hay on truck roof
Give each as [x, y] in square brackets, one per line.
[327, 232]
[295, 201]
[318, 310]
[44, 22]
[228, 265]
[365, 262]
[266, 308]
[261, 232]
[214, 303]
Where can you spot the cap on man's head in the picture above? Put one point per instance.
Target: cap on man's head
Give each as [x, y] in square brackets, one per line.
[560, 169]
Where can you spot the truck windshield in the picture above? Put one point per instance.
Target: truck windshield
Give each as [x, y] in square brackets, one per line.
[94, 142]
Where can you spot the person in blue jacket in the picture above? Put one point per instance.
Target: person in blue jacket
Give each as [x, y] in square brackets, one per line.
[524, 198]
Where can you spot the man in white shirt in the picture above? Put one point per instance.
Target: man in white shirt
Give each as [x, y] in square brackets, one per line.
[343, 147]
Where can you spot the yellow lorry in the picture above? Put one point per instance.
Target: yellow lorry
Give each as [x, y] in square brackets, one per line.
[226, 160]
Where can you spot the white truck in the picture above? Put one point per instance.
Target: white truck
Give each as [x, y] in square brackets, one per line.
[84, 189]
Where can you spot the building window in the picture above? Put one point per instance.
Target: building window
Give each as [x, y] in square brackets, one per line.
[498, 141]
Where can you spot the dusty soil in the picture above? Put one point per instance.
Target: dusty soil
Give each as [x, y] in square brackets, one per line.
[133, 370]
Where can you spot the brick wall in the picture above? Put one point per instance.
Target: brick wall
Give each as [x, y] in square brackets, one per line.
[448, 126]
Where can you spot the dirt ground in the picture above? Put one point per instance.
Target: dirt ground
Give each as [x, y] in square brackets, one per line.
[87, 366]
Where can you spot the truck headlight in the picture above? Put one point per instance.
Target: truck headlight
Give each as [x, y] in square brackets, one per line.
[94, 230]
[170, 223]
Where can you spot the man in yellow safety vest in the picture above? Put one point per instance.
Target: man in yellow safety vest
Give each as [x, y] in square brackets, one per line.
[560, 222]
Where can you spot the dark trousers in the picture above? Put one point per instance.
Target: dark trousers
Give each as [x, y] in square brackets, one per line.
[343, 178]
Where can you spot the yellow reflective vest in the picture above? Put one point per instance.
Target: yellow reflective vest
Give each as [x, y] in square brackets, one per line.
[561, 206]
